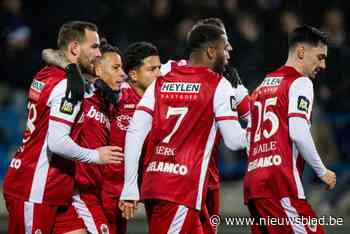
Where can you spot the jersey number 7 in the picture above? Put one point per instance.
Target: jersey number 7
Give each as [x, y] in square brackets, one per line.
[182, 111]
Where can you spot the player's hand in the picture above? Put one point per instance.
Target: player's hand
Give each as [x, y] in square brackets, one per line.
[329, 179]
[110, 154]
[231, 74]
[128, 208]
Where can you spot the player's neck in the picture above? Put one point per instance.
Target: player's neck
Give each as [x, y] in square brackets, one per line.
[295, 64]
[71, 58]
[197, 59]
[137, 89]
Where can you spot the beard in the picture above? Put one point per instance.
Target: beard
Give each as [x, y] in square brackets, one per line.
[85, 65]
[219, 65]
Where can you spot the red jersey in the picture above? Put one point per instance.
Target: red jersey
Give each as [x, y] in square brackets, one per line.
[241, 103]
[94, 133]
[114, 173]
[35, 173]
[274, 163]
[183, 132]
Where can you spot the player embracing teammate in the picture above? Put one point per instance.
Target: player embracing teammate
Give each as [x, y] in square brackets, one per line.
[183, 114]
[40, 180]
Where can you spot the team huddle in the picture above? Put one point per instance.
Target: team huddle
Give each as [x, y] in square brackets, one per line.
[107, 130]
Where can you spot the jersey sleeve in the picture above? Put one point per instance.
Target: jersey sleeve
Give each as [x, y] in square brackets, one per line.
[242, 101]
[224, 102]
[148, 99]
[60, 109]
[301, 95]
[166, 67]
[139, 127]
[299, 132]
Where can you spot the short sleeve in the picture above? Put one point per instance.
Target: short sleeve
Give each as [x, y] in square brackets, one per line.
[224, 102]
[148, 100]
[301, 95]
[60, 109]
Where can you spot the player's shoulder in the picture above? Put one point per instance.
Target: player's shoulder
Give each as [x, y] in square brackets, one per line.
[128, 93]
[50, 74]
[170, 64]
[288, 72]
[49, 81]
[302, 83]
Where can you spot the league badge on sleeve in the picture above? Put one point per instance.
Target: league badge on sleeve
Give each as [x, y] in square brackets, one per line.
[66, 107]
[233, 103]
[303, 104]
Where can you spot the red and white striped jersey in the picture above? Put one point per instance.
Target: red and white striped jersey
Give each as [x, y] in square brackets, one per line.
[274, 163]
[114, 173]
[240, 102]
[35, 173]
[185, 104]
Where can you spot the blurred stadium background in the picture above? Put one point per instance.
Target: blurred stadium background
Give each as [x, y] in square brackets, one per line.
[258, 31]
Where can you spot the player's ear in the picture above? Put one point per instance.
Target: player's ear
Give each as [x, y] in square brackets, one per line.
[74, 48]
[300, 52]
[211, 52]
[132, 75]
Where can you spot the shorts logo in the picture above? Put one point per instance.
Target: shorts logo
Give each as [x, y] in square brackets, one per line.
[38, 231]
[233, 103]
[104, 229]
[303, 104]
[66, 107]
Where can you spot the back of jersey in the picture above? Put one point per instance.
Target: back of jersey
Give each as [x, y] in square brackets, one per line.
[182, 135]
[272, 166]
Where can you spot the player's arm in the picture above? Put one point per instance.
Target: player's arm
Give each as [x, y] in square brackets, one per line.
[299, 111]
[226, 117]
[138, 128]
[62, 116]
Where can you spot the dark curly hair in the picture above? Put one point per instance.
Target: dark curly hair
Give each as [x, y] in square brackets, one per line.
[136, 53]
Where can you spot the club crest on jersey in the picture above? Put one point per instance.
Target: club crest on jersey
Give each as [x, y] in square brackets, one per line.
[303, 104]
[66, 107]
[180, 87]
[38, 231]
[233, 103]
[104, 229]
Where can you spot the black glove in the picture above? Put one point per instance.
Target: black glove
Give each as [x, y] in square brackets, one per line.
[106, 92]
[75, 84]
[231, 74]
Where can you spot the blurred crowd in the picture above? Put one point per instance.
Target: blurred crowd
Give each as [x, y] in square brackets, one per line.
[257, 29]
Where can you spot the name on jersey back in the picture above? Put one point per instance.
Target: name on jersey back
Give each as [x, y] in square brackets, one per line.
[270, 84]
